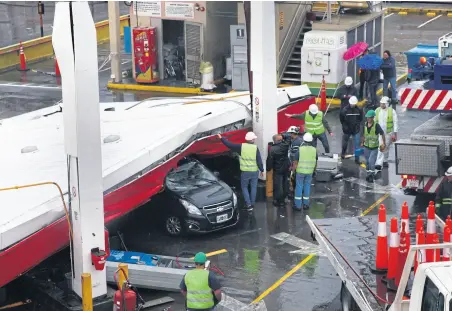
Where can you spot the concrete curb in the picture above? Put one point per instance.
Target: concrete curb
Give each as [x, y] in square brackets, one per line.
[427, 11]
[41, 48]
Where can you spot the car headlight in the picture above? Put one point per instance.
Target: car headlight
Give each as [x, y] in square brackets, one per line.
[234, 198]
[192, 209]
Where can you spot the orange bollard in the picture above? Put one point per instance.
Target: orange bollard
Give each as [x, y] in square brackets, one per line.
[431, 230]
[436, 252]
[323, 95]
[405, 220]
[393, 249]
[403, 253]
[446, 239]
[449, 222]
[22, 58]
[420, 256]
[57, 68]
[381, 260]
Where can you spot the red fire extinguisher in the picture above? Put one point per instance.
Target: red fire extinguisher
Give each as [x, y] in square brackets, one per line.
[107, 242]
[125, 298]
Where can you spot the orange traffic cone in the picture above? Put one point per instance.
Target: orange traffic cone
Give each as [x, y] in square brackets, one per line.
[57, 68]
[420, 256]
[381, 260]
[431, 230]
[405, 220]
[446, 239]
[403, 253]
[22, 58]
[436, 252]
[449, 222]
[323, 95]
[393, 249]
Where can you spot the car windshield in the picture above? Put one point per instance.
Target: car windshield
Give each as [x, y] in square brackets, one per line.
[190, 176]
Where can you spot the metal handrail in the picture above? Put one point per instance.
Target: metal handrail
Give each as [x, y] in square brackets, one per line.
[291, 38]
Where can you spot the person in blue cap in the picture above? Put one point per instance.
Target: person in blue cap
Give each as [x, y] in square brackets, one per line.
[200, 287]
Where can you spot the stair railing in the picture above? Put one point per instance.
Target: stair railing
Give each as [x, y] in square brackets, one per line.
[293, 33]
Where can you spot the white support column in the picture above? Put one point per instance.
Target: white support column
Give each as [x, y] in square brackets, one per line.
[115, 40]
[263, 66]
[328, 12]
[75, 44]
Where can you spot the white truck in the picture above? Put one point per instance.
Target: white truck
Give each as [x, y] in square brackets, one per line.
[349, 244]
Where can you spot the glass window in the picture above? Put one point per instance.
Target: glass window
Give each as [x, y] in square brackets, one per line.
[190, 176]
[432, 299]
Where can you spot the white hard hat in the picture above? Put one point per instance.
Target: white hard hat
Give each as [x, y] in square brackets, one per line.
[384, 100]
[307, 137]
[449, 171]
[348, 81]
[313, 109]
[250, 136]
[353, 100]
[293, 129]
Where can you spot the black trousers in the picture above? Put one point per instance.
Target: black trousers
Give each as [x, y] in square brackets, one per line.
[362, 84]
[280, 186]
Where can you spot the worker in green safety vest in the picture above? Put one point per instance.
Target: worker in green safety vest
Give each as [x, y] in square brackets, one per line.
[443, 201]
[304, 167]
[200, 287]
[386, 117]
[370, 140]
[315, 124]
[250, 165]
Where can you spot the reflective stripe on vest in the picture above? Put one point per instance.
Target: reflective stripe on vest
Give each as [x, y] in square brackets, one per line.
[389, 120]
[248, 161]
[306, 160]
[371, 137]
[314, 125]
[199, 294]
[446, 201]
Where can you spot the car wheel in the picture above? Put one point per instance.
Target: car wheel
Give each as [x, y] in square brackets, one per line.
[174, 225]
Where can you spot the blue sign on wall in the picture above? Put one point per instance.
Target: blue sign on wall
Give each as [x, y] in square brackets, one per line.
[127, 40]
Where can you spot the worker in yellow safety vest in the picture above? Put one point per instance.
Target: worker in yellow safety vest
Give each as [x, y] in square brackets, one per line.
[370, 141]
[315, 124]
[200, 287]
[304, 167]
[443, 200]
[250, 165]
[386, 117]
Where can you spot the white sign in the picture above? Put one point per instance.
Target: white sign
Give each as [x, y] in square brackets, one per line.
[320, 41]
[148, 8]
[179, 10]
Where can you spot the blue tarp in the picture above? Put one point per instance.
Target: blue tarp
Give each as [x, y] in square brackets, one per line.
[133, 258]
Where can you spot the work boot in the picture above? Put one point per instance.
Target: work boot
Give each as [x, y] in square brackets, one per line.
[249, 208]
[370, 178]
[357, 160]
[378, 167]
[305, 207]
[276, 202]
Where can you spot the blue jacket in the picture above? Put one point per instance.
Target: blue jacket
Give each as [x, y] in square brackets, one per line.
[389, 68]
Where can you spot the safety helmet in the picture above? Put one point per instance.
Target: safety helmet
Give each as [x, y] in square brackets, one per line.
[448, 172]
[307, 137]
[293, 130]
[353, 100]
[250, 136]
[200, 258]
[384, 100]
[313, 109]
[423, 60]
[348, 81]
[370, 114]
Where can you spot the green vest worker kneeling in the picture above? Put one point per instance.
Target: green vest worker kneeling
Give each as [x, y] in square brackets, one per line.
[200, 287]
[304, 167]
[250, 165]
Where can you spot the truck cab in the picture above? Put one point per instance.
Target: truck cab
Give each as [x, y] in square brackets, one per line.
[432, 288]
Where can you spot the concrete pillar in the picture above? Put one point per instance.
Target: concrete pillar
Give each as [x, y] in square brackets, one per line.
[263, 66]
[115, 41]
[328, 12]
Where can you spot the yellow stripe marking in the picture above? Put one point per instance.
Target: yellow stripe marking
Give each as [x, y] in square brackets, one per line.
[378, 202]
[218, 252]
[283, 278]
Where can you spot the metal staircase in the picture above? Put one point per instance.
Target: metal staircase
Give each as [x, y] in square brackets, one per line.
[292, 71]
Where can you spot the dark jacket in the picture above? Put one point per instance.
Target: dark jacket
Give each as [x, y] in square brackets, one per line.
[443, 197]
[238, 149]
[372, 76]
[277, 159]
[344, 93]
[351, 119]
[389, 68]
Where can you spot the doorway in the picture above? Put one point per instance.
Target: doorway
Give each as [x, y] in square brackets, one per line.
[173, 50]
